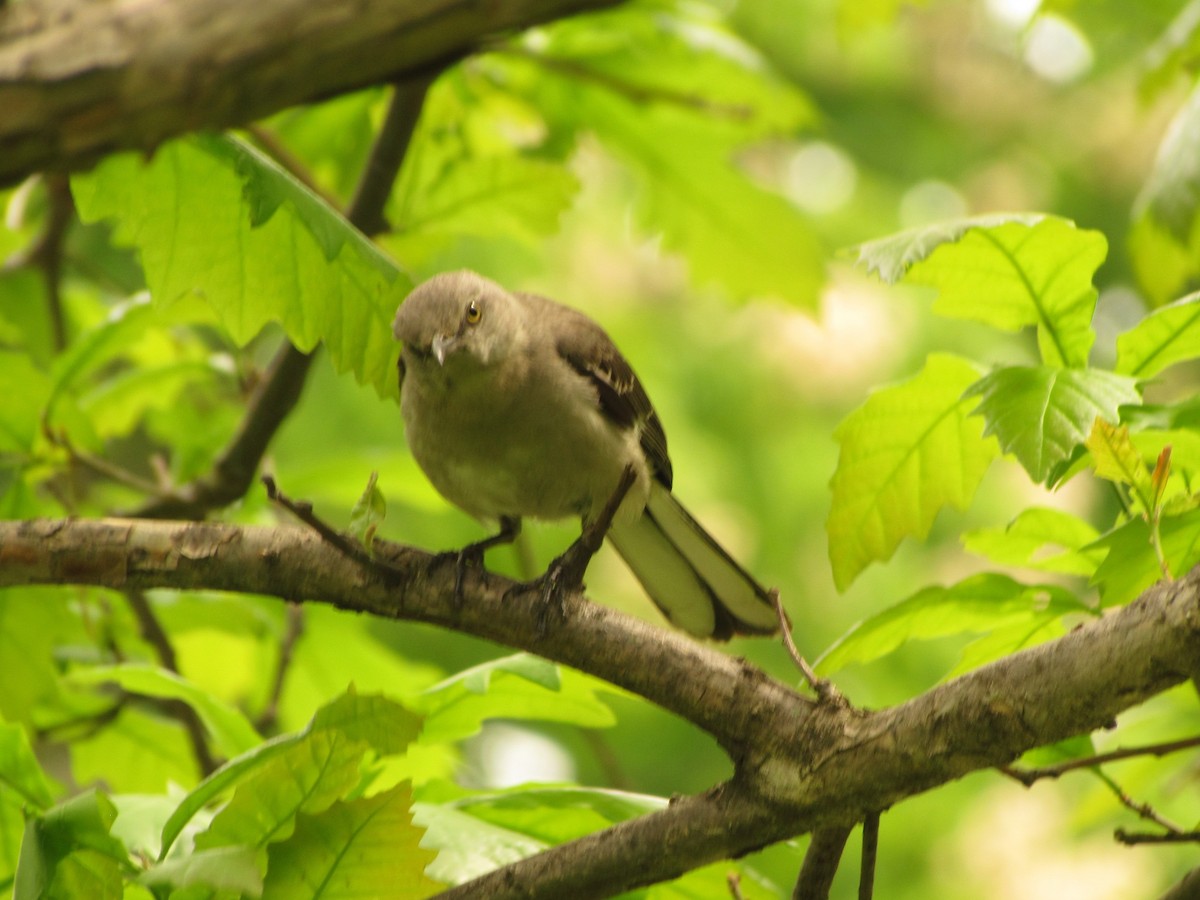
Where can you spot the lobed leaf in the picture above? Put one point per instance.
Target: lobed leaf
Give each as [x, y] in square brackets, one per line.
[891, 257]
[19, 768]
[518, 687]
[361, 848]
[1171, 194]
[380, 723]
[1167, 336]
[1115, 458]
[1014, 275]
[215, 219]
[1043, 414]
[981, 603]
[907, 452]
[230, 869]
[1131, 564]
[1049, 540]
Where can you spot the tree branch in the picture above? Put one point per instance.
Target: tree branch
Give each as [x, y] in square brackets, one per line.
[799, 765]
[81, 80]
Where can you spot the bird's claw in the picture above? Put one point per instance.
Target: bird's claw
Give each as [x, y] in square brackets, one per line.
[564, 576]
[462, 559]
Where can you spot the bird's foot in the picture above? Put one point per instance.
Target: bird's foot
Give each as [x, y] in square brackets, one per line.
[472, 555]
[563, 577]
[469, 556]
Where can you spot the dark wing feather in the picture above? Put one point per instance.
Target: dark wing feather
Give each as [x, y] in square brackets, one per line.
[591, 353]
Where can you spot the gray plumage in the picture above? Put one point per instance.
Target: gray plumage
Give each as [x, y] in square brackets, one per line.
[517, 406]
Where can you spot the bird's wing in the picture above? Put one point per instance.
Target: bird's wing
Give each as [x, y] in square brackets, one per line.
[590, 351]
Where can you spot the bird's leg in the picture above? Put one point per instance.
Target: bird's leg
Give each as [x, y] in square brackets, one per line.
[472, 554]
[565, 574]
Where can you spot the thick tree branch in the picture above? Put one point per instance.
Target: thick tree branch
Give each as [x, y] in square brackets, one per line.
[799, 765]
[79, 80]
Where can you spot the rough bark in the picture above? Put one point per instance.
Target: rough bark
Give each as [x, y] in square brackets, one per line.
[799, 765]
[79, 80]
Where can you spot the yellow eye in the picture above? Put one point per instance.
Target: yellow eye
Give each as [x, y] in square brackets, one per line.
[474, 313]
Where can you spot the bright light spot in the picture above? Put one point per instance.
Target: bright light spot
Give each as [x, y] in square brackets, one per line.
[930, 201]
[1014, 14]
[507, 755]
[820, 178]
[1056, 51]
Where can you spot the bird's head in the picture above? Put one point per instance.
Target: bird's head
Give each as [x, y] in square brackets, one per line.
[459, 319]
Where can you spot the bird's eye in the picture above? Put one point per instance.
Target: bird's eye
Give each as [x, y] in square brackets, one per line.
[474, 313]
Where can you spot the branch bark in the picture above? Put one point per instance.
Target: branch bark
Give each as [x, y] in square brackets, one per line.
[799, 765]
[79, 80]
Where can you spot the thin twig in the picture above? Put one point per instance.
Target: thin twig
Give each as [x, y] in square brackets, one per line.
[821, 862]
[292, 632]
[58, 437]
[155, 635]
[46, 253]
[636, 93]
[1027, 777]
[1138, 837]
[870, 850]
[824, 688]
[734, 881]
[387, 155]
[303, 511]
[1144, 810]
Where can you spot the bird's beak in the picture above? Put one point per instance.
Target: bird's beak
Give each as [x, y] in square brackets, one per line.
[440, 344]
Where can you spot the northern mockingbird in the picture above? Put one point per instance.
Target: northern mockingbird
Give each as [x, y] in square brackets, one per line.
[517, 406]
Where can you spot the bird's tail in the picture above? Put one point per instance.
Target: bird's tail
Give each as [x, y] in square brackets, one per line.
[698, 586]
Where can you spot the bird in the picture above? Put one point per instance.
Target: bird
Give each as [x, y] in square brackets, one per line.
[516, 406]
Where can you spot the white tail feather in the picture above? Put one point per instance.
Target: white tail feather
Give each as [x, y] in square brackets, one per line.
[691, 578]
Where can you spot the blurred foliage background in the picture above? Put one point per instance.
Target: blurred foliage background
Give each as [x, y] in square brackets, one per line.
[590, 160]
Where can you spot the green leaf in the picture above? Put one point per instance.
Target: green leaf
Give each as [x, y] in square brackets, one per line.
[1167, 336]
[68, 851]
[1013, 275]
[125, 324]
[369, 512]
[25, 388]
[1116, 459]
[981, 603]
[222, 869]
[383, 724]
[1043, 414]
[1171, 193]
[1048, 540]
[497, 196]
[663, 81]
[19, 769]
[1006, 640]
[307, 776]
[32, 626]
[1131, 564]
[232, 733]
[468, 847]
[891, 257]
[729, 230]
[386, 726]
[139, 750]
[905, 453]
[363, 848]
[215, 219]
[515, 687]
[478, 833]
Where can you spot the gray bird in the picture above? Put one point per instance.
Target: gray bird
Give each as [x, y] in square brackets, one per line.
[516, 406]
